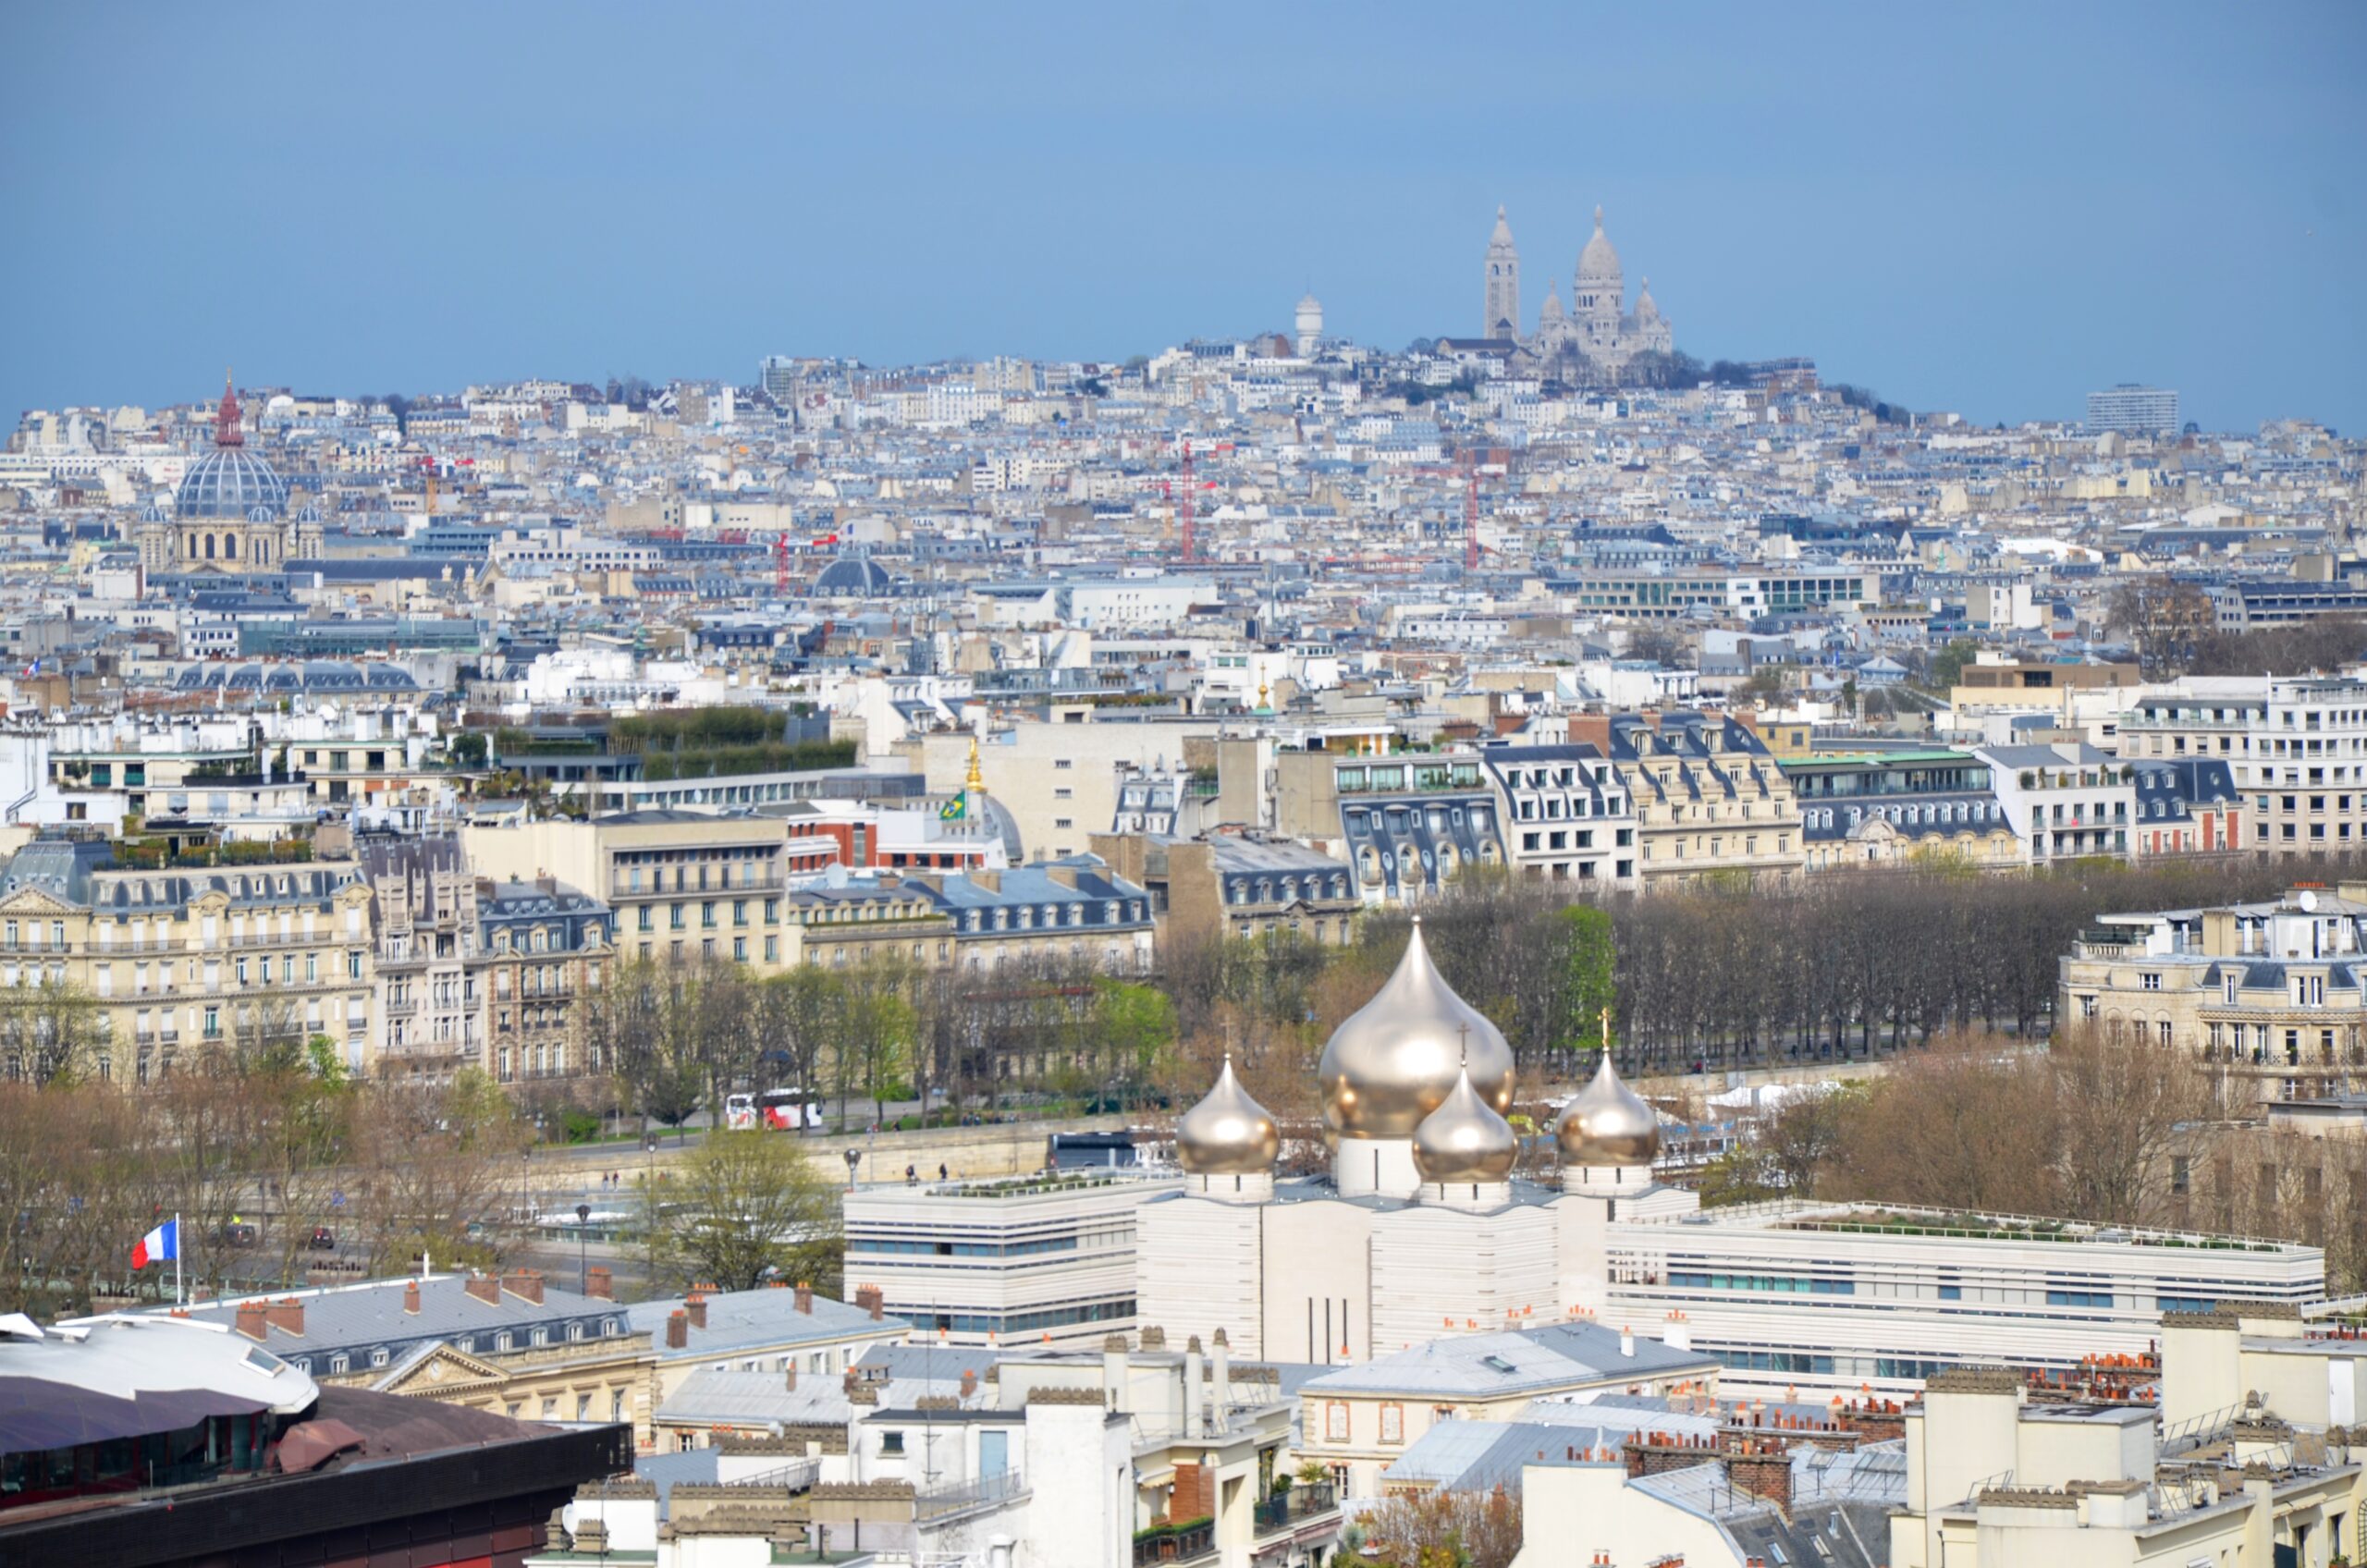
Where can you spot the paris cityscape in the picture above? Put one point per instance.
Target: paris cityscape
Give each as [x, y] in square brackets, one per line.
[794, 789]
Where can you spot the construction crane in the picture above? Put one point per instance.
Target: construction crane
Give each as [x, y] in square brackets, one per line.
[780, 565]
[1188, 535]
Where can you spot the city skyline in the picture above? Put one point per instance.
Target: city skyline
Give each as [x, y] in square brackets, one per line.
[500, 195]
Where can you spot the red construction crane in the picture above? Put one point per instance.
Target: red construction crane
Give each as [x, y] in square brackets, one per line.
[780, 564]
[1183, 516]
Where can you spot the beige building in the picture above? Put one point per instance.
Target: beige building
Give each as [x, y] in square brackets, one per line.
[682, 884]
[178, 959]
[2266, 996]
[1057, 781]
[1236, 885]
[1708, 795]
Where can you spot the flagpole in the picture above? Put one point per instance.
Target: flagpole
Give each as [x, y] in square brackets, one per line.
[181, 1296]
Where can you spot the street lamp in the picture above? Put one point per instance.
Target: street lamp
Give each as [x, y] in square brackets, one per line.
[854, 1158]
[582, 1256]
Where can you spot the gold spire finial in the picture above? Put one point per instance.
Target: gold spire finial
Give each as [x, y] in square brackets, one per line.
[1606, 1031]
[975, 781]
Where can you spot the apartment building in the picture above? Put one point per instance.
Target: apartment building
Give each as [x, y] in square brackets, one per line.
[1407, 823]
[2267, 996]
[1893, 808]
[2066, 801]
[1236, 885]
[2297, 748]
[180, 959]
[1567, 816]
[544, 950]
[1708, 796]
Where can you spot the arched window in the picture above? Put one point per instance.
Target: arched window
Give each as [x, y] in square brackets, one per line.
[229, 546]
[209, 546]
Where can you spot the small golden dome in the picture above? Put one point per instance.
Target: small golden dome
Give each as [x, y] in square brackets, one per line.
[1227, 1133]
[1396, 1059]
[1607, 1123]
[1465, 1140]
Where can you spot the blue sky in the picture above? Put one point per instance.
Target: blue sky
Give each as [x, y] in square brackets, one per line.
[1991, 209]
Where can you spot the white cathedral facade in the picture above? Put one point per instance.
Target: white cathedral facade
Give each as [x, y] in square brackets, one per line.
[1420, 1231]
[1597, 325]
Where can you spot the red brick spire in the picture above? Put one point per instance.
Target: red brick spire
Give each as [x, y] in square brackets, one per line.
[225, 418]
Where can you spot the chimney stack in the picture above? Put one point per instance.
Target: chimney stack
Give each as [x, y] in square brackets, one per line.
[1221, 1376]
[1677, 1334]
[485, 1288]
[793, 1374]
[805, 1298]
[1114, 1372]
[254, 1320]
[526, 1285]
[411, 1297]
[695, 1305]
[1626, 1341]
[1195, 1423]
[287, 1314]
[969, 1382]
[678, 1329]
[599, 1283]
[872, 1300]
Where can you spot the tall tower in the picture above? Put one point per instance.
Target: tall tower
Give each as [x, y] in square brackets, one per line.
[1310, 326]
[1598, 294]
[1501, 316]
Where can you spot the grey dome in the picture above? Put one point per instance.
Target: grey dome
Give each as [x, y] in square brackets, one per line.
[857, 575]
[232, 484]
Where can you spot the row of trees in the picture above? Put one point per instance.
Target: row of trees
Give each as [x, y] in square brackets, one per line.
[682, 1035]
[253, 1150]
[1848, 965]
[2176, 627]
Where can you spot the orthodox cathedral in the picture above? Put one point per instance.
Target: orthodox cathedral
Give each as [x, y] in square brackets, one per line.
[1420, 1231]
[231, 512]
[1598, 325]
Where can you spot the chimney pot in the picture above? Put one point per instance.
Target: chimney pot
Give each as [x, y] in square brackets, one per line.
[805, 1298]
[411, 1297]
[695, 1305]
[678, 1329]
[793, 1374]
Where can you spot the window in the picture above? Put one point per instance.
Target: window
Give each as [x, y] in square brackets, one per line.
[891, 1442]
[1335, 1421]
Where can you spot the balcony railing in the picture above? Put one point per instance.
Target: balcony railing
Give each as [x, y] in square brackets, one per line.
[1286, 1508]
[960, 1496]
[1172, 1545]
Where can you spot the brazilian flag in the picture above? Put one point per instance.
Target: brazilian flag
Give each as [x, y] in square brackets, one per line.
[954, 809]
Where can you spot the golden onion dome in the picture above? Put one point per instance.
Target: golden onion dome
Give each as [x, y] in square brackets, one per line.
[1465, 1140]
[1227, 1133]
[1395, 1060]
[1607, 1123]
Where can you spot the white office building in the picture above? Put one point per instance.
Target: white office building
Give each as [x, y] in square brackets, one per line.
[1039, 1259]
[2131, 410]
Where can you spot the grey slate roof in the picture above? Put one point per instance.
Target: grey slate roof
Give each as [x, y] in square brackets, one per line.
[1492, 1365]
[745, 1320]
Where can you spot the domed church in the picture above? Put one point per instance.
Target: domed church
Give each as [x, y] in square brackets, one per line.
[231, 512]
[1597, 325]
[1420, 1230]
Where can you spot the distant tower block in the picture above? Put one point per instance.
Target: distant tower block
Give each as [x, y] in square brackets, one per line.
[1310, 326]
[1500, 317]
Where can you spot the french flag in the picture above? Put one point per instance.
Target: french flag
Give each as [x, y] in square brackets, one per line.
[159, 1246]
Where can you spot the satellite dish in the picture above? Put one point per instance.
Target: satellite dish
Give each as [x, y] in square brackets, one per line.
[2308, 901]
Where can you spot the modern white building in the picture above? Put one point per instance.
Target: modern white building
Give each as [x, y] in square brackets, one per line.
[2133, 409]
[2297, 747]
[1852, 1295]
[1041, 1259]
[2067, 802]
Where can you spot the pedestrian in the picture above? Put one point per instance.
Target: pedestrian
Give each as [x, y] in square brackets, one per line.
[911, 1176]
[942, 1174]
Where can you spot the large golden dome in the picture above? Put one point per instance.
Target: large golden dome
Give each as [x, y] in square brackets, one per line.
[1607, 1123]
[1227, 1133]
[1396, 1059]
[1465, 1140]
